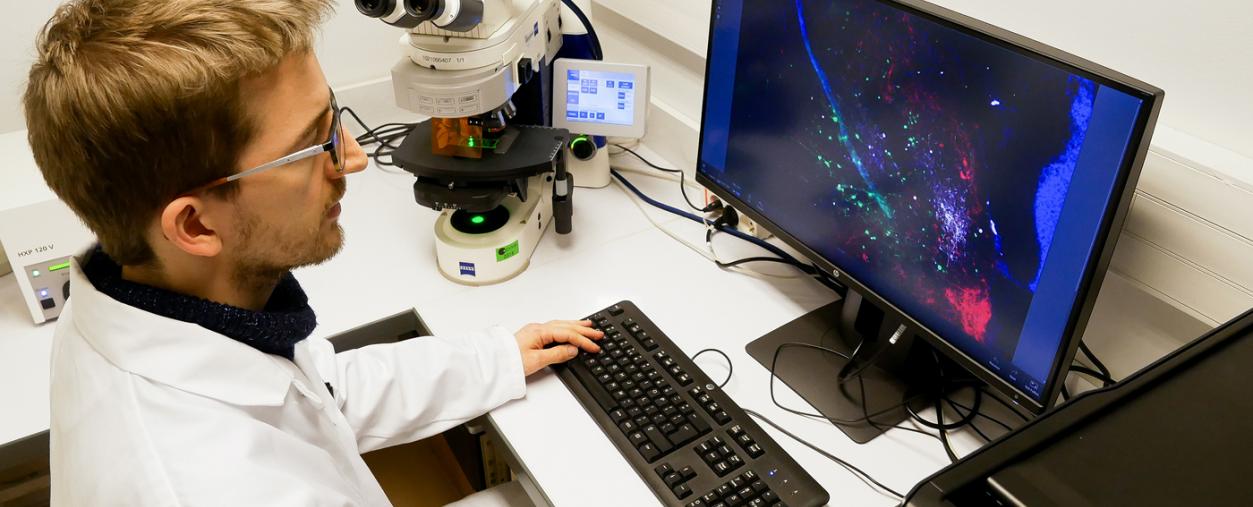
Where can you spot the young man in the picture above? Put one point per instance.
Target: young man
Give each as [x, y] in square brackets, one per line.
[198, 139]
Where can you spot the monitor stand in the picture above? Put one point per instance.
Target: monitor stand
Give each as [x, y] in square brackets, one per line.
[908, 370]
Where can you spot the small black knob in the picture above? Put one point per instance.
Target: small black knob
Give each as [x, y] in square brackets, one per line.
[526, 69]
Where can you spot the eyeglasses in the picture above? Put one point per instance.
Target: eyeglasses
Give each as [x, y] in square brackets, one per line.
[333, 146]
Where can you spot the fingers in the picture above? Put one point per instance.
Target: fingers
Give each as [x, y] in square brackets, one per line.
[558, 354]
[573, 337]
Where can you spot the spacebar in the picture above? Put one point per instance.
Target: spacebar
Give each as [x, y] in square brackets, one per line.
[602, 396]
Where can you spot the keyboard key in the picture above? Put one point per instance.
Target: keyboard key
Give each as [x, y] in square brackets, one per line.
[663, 470]
[618, 415]
[755, 450]
[684, 434]
[687, 472]
[722, 417]
[769, 497]
[721, 468]
[649, 452]
[682, 491]
[638, 438]
[672, 479]
[659, 440]
[615, 310]
[711, 497]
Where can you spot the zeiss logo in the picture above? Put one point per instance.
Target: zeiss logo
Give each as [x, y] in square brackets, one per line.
[467, 268]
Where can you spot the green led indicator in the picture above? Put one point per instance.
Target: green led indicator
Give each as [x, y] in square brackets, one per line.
[477, 219]
[472, 145]
[58, 267]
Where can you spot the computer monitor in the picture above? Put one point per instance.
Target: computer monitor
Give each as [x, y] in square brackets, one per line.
[968, 182]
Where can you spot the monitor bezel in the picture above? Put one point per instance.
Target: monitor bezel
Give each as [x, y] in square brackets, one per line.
[1111, 222]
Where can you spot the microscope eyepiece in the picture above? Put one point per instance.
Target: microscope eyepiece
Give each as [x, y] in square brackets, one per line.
[375, 8]
[423, 9]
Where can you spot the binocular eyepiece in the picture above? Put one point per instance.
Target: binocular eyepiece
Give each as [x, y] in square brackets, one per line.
[453, 15]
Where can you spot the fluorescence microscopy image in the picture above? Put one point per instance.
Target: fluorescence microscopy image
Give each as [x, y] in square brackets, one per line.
[931, 165]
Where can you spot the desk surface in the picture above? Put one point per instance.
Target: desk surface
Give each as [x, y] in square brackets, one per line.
[614, 253]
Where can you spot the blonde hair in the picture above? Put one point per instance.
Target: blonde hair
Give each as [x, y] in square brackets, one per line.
[131, 102]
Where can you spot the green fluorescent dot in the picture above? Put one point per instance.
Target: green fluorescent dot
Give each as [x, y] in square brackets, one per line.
[472, 145]
[477, 219]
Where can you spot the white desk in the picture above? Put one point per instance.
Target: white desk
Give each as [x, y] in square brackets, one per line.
[614, 253]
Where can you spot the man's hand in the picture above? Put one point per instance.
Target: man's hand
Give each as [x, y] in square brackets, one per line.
[572, 334]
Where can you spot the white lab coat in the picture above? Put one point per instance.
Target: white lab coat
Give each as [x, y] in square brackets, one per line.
[148, 410]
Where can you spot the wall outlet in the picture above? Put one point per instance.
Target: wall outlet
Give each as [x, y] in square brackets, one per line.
[748, 226]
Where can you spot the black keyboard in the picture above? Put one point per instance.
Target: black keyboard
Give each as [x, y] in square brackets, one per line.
[686, 438]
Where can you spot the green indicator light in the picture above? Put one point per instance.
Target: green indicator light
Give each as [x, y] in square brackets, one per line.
[471, 144]
[34, 274]
[58, 267]
[477, 219]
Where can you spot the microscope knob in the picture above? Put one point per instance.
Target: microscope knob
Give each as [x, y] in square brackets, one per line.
[583, 148]
[526, 69]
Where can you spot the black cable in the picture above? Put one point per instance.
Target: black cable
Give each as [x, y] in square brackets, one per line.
[730, 366]
[1105, 380]
[1083, 347]
[867, 417]
[972, 424]
[865, 477]
[382, 135]
[943, 427]
[598, 53]
[1065, 392]
[820, 276]
[983, 415]
[809, 270]
[682, 180]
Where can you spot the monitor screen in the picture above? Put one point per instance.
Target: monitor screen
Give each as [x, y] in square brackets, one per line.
[594, 96]
[964, 181]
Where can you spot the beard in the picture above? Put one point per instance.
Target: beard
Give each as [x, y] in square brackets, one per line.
[267, 250]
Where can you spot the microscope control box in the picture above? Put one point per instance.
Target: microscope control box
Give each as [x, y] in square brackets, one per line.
[39, 241]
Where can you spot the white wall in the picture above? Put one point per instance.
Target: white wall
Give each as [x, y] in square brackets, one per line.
[353, 49]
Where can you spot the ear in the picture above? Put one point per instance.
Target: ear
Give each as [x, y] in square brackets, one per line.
[185, 224]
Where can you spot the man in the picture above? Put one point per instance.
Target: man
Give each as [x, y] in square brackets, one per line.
[198, 139]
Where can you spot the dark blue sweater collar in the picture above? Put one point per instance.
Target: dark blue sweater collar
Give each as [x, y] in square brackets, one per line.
[285, 320]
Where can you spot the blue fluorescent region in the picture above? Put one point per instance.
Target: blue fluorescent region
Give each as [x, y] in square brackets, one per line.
[1055, 179]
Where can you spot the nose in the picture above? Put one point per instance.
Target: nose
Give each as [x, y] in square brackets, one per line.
[354, 156]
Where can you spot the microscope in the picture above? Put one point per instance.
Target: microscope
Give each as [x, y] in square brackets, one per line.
[488, 159]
